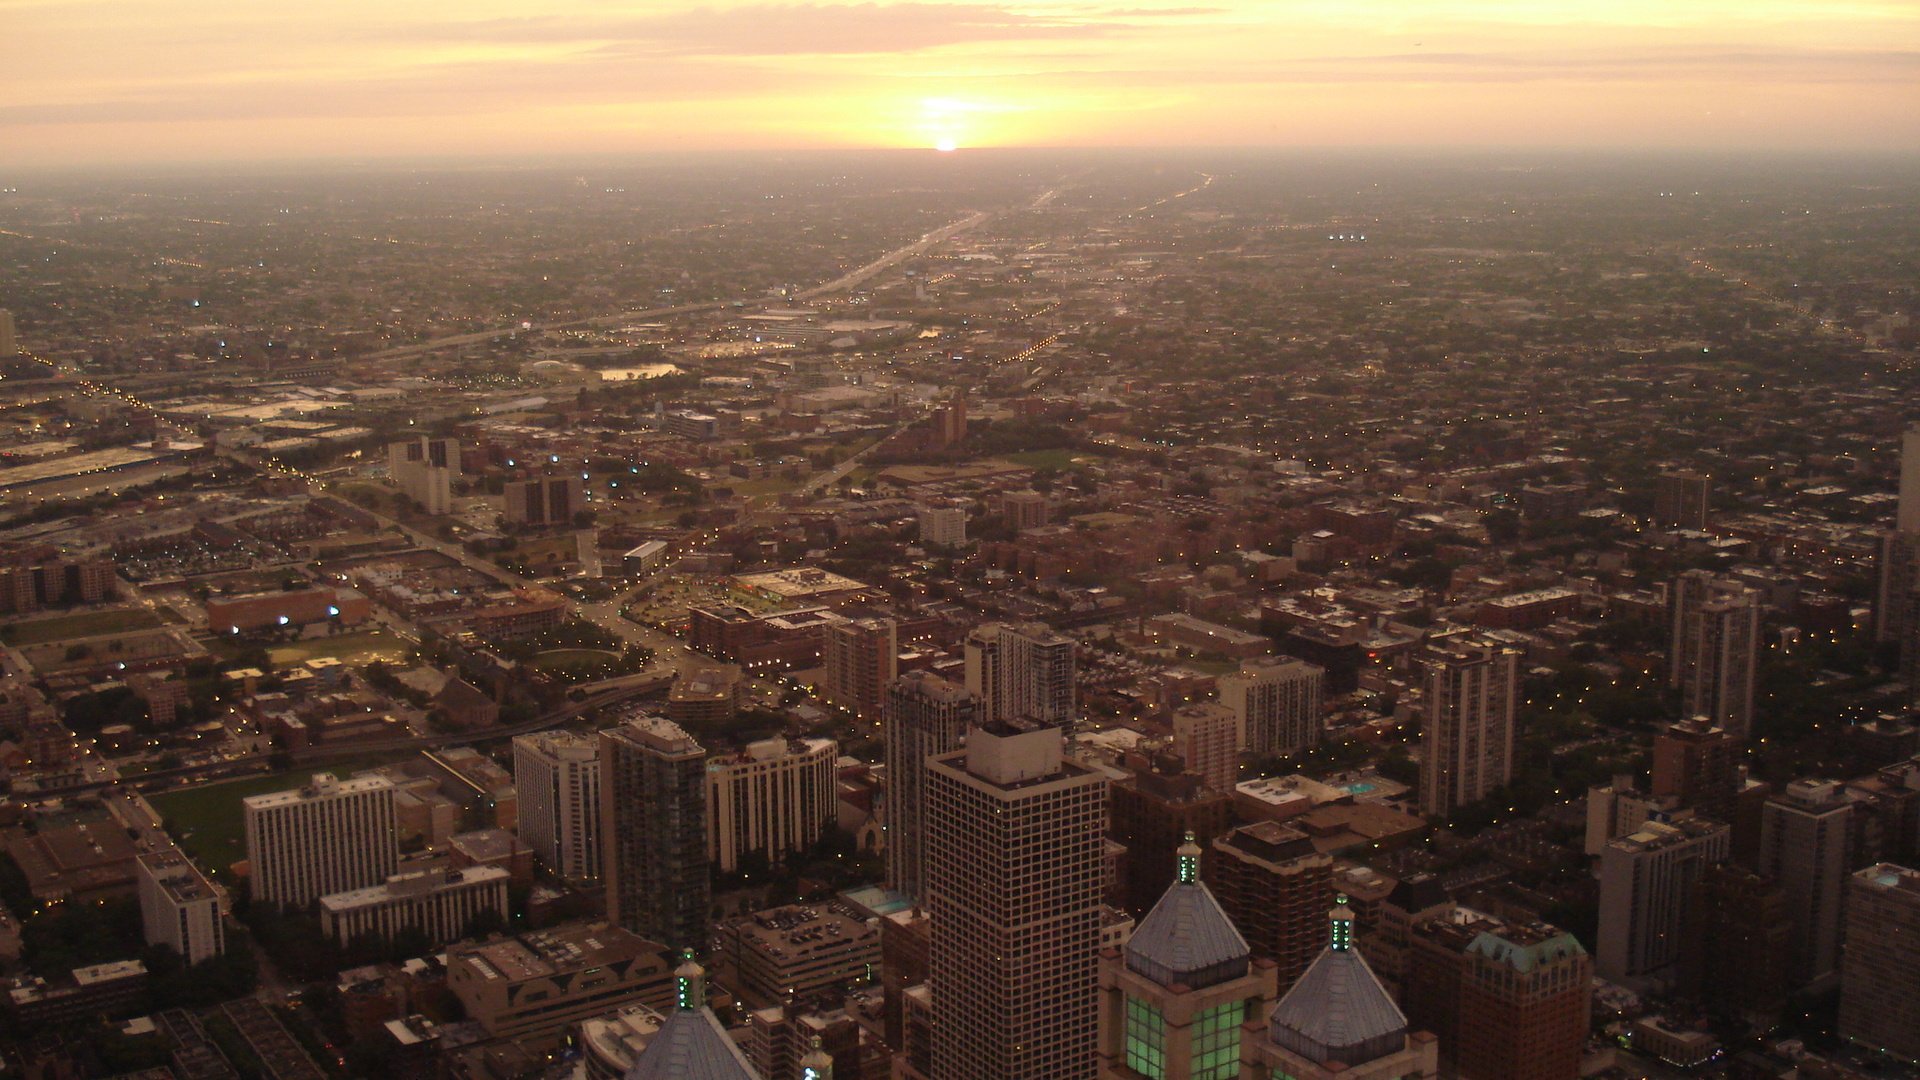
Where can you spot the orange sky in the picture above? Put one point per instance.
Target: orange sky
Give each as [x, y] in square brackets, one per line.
[89, 81]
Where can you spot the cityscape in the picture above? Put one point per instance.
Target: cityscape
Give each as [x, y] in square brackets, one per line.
[959, 606]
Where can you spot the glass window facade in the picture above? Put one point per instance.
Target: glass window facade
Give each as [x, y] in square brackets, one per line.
[1216, 1041]
[1146, 1039]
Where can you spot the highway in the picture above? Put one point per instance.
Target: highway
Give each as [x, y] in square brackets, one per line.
[846, 281]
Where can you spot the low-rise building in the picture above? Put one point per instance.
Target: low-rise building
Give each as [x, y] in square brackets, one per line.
[533, 988]
[800, 951]
[440, 904]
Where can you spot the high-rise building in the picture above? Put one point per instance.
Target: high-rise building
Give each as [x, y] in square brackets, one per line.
[1694, 762]
[1508, 1000]
[1151, 809]
[1466, 739]
[1021, 672]
[1880, 973]
[1898, 571]
[1276, 887]
[943, 526]
[424, 470]
[557, 774]
[1803, 848]
[1277, 703]
[1908, 515]
[9, 344]
[925, 715]
[653, 818]
[1339, 1023]
[1206, 736]
[1175, 997]
[1736, 941]
[178, 908]
[1680, 500]
[1646, 883]
[860, 658]
[327, 837]
[1715, 647]
[1014, 875]
[544, 500]
[775, 797]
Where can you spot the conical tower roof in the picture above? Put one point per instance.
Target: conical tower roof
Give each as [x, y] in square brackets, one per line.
[1187, 940]
[1338, 1011]
[691, 1044]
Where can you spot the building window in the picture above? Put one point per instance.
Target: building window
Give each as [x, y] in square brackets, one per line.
[1146, 1039]
[1216, 1041]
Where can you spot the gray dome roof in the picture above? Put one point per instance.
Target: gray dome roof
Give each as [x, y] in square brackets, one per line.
[691, 1044]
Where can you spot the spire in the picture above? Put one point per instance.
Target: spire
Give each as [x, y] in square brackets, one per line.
[689, 984]
[1189, 861]
[817, 1065]
[1342, 919]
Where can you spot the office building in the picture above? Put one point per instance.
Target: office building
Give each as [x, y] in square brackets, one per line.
[1680, 500]
[1277, 888]
[1338, 1023]
[1507, 1000]
[861, 658]
[1694, 763]
[1736, 943]
[775, 797]
[1206, 737]
[1277, 702]
[178, 908]
[536, 988]
[1174, 998]
[424, 470]
[1714, 648]
[653, 827]
[543, 501]
[557, 775]
[925, 715]
[1466, 737]
[943, 526]
[1880, 973]
[327, 837]
[1014, 879]
[1647, 881]
[1898, 571]
[439, 905]
[1152, 808]
[1021, 672]
[1803, 848]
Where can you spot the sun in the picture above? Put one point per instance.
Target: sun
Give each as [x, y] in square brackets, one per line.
[946, 146]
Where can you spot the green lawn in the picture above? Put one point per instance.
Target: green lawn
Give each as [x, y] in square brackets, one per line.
[80, 624]
[1059, 459]
[206, 821]
[355, 647]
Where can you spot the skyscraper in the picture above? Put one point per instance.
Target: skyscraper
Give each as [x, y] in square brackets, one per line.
[1714, 650]
[775, 797]
[1339, 1022]
[1508, 1000]
[327, 837]
[544, 500]
[1466, 739]
[1277, 703]
[1014, 869]
[1021, 672]
[653, 814]
[9, 345]
[861, 657]
[178, 908]
[1735, 943]
[557, 774]
[1693, 762]
[1646, 882]
[1803, 848]
[1880, 974]
[1151, 809]
[1276, 887]
[1680, 500]
[690, 1041]
[1175, 996]
[424, 470]
[925, 715]
[1205, 735]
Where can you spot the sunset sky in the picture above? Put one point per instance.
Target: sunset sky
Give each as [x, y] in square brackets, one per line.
[101, 81]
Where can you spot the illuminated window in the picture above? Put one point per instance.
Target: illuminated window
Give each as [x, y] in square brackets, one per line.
[1216, 1041]
[1146, 1039]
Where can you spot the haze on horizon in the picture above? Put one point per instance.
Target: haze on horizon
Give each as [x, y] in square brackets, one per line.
[91, 82]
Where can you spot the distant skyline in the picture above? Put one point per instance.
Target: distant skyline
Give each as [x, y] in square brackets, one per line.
[129, 81]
